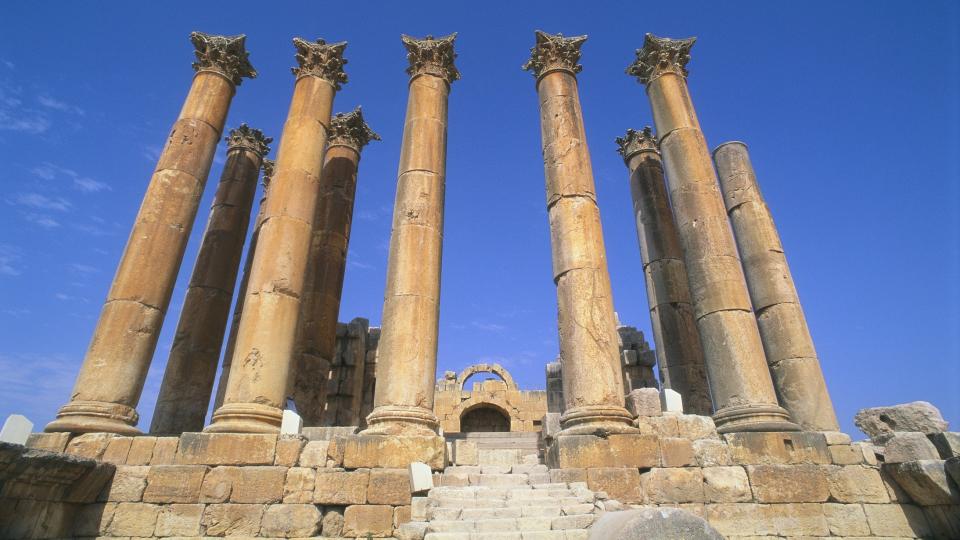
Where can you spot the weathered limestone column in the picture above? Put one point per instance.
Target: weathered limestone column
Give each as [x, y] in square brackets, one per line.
[589, 345]
[783, 327]
[740, 383]
[259, 372]
[267, 166]
[327, 264]
[411, 308]
[679, 354]
[111, 379]
[192, 365]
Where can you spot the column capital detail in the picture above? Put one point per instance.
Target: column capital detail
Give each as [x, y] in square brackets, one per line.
[349, 129]
[321, 59]
[226, 55]
[635, 142]
[249, 138]
[553, 52]
[267, 165]
[661, 55]
[431, 56]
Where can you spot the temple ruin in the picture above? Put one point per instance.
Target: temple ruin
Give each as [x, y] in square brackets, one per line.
[722, 427]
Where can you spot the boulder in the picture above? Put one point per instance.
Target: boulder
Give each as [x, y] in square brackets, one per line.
[909, 447]
[880, 423]
[644, 523]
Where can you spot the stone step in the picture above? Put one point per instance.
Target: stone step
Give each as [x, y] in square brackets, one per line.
[579, 521]
[524, 535]
[503, 503]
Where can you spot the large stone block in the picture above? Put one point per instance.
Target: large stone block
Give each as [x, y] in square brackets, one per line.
[91, 519]
[619, 483]
[117, 450]
[947, 443]
[952, 467]
[141, 450]
[660, 426]
[288, 450]
[909, 446]
[290, 520]
[389, 486]
[652, 523]
[926, 481]
[314, 454]
[846, 519]
[89, 445]
[164, 451]
[134, 519]
[733, 519]
[944, 521]
[676, 452]
[896, 520]
[792, 520]
[127, 485]
[259, 484]
[712, 453]
[673, 485]
[232, 519]
[52, 442]
[299, 485]
[778, 448]
[336, 486]
[692, 426]
[587, 451]
[726, 484]
[179, 520]
[174, 483]
[788, 483]
[332, 524]
[226, 449]
[393, 452]
[465, 453]
[368, 520]
[218, 484]
[644, 402]
[853, 484]
[879, 423]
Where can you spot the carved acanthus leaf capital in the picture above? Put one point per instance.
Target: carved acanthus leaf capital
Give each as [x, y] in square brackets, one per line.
[553, 52]
[659, 56]
[321, 59]
[267, 165]
[637, 141]
[349, 129]
[249, 138]
[431, 56]
[226, 55]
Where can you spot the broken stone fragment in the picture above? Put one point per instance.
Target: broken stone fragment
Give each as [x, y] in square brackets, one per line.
[879, 423]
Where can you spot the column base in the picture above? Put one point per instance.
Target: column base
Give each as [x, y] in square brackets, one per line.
[599, 420]
[245, 418]
[95, 417]
[747, 418]
[401, 420]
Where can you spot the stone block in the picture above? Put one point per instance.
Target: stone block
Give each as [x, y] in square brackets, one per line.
[952, 467]
[673, 485]
[117, 450]
[854, 483]
[869, 452]
[926, 481]
[218, 484]
[551, 425]
[619, 483]
[947, 443]
[90, 485]
[389, 486]
[290, 521]
[944, 521]
[778, 448]
[127, 485]
[733, 519]
[788, 483]
[660, 426]
[336, 486]
[288, 451]
[179, 520]
[726, 485]
[421, 478]
[846, 454]
[134, 519]
[393, 452]
[401, 515]
[621, 450]
[91, 519]
[411, 531]
[792, 520]
[644, 402]
[258, 485]
[568, 475]
[692, 426]
[896, 520]
[164, 451]
[846, 519]
[314, 454]
[675, 452]
[332, 524]
[89, 445]
[226, 449]
[174, 483]
[141, 450]
[711, 453]
[419, 507]
[836, 437]
[880, 423]
[642, 524]
[290, 423]
[299, 485]
[465, 452]
[368, 520]
[52, 442]
[910, 446]
[894, 491]
[671, 402]
[232, 519]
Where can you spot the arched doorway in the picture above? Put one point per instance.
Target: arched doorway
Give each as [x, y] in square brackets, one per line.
[484, 418]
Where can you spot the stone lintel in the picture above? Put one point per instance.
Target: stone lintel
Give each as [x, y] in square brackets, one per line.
[250, 138]
[553, 52]
[778, 448]
[350, 129]
[634, 142]
[431, 56]
[589, 451]
[226, 55]
[661, 55]
[388, 451]
[321, 59]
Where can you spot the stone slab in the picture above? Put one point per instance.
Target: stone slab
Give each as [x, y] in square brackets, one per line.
[226, 449]
[16, 429]
[778, 448]
[393, 452]
[589, 451]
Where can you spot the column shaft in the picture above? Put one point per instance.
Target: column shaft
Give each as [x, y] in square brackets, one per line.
[783, 328]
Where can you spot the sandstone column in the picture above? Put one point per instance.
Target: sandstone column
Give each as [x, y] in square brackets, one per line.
[783, 328]
[257, 386]
[327, 263]
[407, 364]
[192, 365]
[589, 345]
[115, 367]
[740, 382]
[267, 167]
[679, 354]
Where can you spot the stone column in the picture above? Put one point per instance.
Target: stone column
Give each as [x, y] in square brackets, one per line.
[192, 365]
[783, 328]
[328, 260]
[740, 383]
[589, 345]
[267, 167]
[403, 402]
[110, 382]
[259, 373]
[679, 354]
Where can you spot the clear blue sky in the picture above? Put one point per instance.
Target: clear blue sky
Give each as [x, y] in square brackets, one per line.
[850, 110]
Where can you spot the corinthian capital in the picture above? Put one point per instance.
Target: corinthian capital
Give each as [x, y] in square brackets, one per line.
[225, 55]
[349, 129]
[659, 56]
[430, 56]
[637, 141]
[249, 138]
[553, 52]
[322, 60]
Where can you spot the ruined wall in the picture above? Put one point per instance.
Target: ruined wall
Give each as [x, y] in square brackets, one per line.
[524, 408]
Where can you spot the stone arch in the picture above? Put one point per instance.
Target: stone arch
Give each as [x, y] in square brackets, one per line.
[496, 369]
[485, 416]
[501, 405]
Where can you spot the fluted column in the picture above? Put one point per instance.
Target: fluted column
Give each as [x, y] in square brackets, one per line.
[679, 354]
[783, 328]
[110, 382]
[589, 345]
[259, 372]
[743, 393]
[407, 362]
[192, 366]
[327, 264]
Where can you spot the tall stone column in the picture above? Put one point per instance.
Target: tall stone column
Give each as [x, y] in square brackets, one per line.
[192, 365]
[783, 327]
[259, 373]
[327, 264]
[403, 400]
[740, 383]
[679, 354]
[589, 346]
[267, 167]
[110, 382]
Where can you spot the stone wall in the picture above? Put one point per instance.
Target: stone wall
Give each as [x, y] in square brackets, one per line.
[524, 408]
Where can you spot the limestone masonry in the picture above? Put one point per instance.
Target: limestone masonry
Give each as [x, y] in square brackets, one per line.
[724, 428]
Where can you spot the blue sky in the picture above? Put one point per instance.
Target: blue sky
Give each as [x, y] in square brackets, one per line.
[850, 110]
